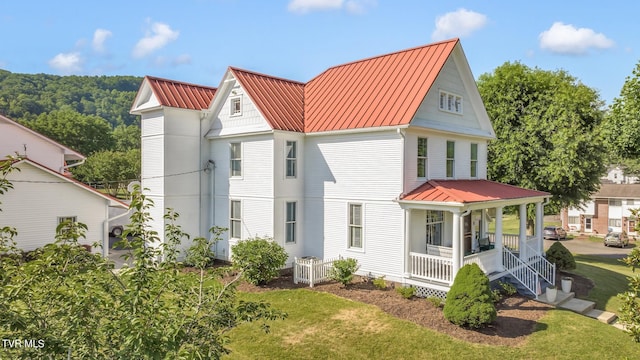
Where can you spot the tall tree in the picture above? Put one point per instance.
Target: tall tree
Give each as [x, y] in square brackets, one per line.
[84, 133]
[548, 128]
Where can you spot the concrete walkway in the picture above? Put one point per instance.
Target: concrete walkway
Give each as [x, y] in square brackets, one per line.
[568, 301]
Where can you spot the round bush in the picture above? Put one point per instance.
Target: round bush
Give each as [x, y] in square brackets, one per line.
[561, 256]
[260, 259]
[469, 303]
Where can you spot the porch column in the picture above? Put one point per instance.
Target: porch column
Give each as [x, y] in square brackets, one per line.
[498, 234]
[455, 246]
[539, 226]
[522, 238]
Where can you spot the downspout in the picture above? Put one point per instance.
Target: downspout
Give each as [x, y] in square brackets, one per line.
[65, 167]
[211, 166]
[105, 233]
[406, 217]
[458, 254]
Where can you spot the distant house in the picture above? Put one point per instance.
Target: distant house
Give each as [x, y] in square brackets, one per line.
[382, 160]
[607, 211]
[44, 194]
[616, 175]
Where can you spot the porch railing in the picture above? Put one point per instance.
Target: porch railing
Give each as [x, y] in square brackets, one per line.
[488, 261]
[540, 264]
[430, 267]
[510, 241]
[525, 274]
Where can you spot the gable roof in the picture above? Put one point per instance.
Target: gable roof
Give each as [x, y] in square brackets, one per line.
[381, 91]
[280, 101]
[622, 191]
[468, 191]
[69, 154]
[112, 200]
[176, 94]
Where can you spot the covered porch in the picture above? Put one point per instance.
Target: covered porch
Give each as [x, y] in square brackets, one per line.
[447, 226]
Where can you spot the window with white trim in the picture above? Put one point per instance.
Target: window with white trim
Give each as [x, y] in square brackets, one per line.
[615, 222]
[235, 219]
[290, 222]
[355, 226]
[235, 157]
[235, 106]
[69, 220]
[291, 160]
[615, 202]
[451, 156]
[450, 102]
[435, 223]
[474, 161]
[574, 220]
[630, 202]
[422, 157]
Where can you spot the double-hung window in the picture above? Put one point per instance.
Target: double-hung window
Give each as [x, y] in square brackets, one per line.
[235, 219]
[68, 222]
[474, 161]
[451, 156]
[355, 226]
[435, 221]
[235, 155]
[290, 222]
[422, 157]
[291, 160]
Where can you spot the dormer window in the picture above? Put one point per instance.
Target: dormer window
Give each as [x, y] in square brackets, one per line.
[236, 106]
[450, 102]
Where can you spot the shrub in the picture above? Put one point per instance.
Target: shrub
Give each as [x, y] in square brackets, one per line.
[380, 283]
[406, 292]
[508, 288]
[496, 295]
[436, 301]
[560, 255]
[470, 300]
[259, 259]
[343, 270]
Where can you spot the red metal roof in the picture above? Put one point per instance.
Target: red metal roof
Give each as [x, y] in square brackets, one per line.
[468, 191]
[180, 94]
[281, 101]
[381, 91]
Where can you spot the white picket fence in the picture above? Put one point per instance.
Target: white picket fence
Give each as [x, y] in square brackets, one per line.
[312, 270]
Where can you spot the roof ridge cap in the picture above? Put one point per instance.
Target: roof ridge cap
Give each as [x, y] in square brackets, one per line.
[148, 77]
[233, 68]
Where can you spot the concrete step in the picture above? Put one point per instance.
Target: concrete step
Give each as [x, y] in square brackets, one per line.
[578, 305]
[603, 316]
[561, 298]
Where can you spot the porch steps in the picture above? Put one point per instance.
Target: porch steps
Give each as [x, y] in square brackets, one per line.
[584, 307]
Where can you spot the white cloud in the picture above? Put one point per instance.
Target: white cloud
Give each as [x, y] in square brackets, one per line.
[459, 23]
[159, 36]
[99, 38]
[181, 60]
[567, 39]
[351, 6]
[69, 63]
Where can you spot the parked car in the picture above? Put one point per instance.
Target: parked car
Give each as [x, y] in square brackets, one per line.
[116, 230]
[616, 239]
[554, 232]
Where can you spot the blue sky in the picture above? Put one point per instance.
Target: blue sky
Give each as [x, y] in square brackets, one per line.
[196, 40]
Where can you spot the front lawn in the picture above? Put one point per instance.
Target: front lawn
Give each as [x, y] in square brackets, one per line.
[324, 326]
[609, 276]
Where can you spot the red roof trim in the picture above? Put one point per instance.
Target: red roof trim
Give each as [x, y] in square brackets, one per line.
[180, 94]
[469, 191]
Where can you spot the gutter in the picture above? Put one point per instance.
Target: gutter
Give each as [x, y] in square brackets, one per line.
[65, 167]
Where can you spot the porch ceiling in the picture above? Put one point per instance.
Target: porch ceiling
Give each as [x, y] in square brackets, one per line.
[465, 192]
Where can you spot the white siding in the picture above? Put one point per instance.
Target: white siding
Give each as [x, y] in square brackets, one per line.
[250, 120]
[14, 140]
[33, 208]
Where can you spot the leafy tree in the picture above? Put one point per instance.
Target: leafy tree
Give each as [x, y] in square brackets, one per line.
[126, 137]
[470, 300]
[113, 169]
[83, 133]
[623, 121]
[548, 129]
[630, 309]
[260, 259]
[81, 308]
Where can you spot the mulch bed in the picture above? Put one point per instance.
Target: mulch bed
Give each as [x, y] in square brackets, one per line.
[517, 315]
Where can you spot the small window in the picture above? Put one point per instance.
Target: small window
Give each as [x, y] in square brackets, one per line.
[615, 202]
[235, 219]
[574, 220]
[615, 222]
[235, 106]
[450, 102]
[630, 202]
[291, 161]
[451, 155]
[290, 223]
[474, 161]
[355, 226]
[65, 220]
[235, 155]
[422, 157]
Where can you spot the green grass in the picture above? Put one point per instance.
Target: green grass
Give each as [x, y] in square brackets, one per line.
[511, 224]
[609, 276]
[324, 326]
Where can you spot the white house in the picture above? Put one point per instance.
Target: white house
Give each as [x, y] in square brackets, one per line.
[44, 194]
[381, 159]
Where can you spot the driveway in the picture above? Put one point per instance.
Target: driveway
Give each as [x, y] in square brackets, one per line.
[581, 245]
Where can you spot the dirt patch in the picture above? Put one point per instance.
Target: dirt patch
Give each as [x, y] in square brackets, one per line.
[517, 315]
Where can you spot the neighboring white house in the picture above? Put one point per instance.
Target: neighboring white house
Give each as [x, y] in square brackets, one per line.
[382, 160]
[44, 194]
[616, 175]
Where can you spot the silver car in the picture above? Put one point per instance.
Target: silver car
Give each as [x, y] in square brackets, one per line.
[616, 239]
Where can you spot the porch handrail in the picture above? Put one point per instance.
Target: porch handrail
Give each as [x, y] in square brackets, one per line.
[510, 241]
[540, 264]
[526, 275]
[429, 267]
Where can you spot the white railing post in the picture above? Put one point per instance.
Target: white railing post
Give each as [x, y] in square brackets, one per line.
[295, 270]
